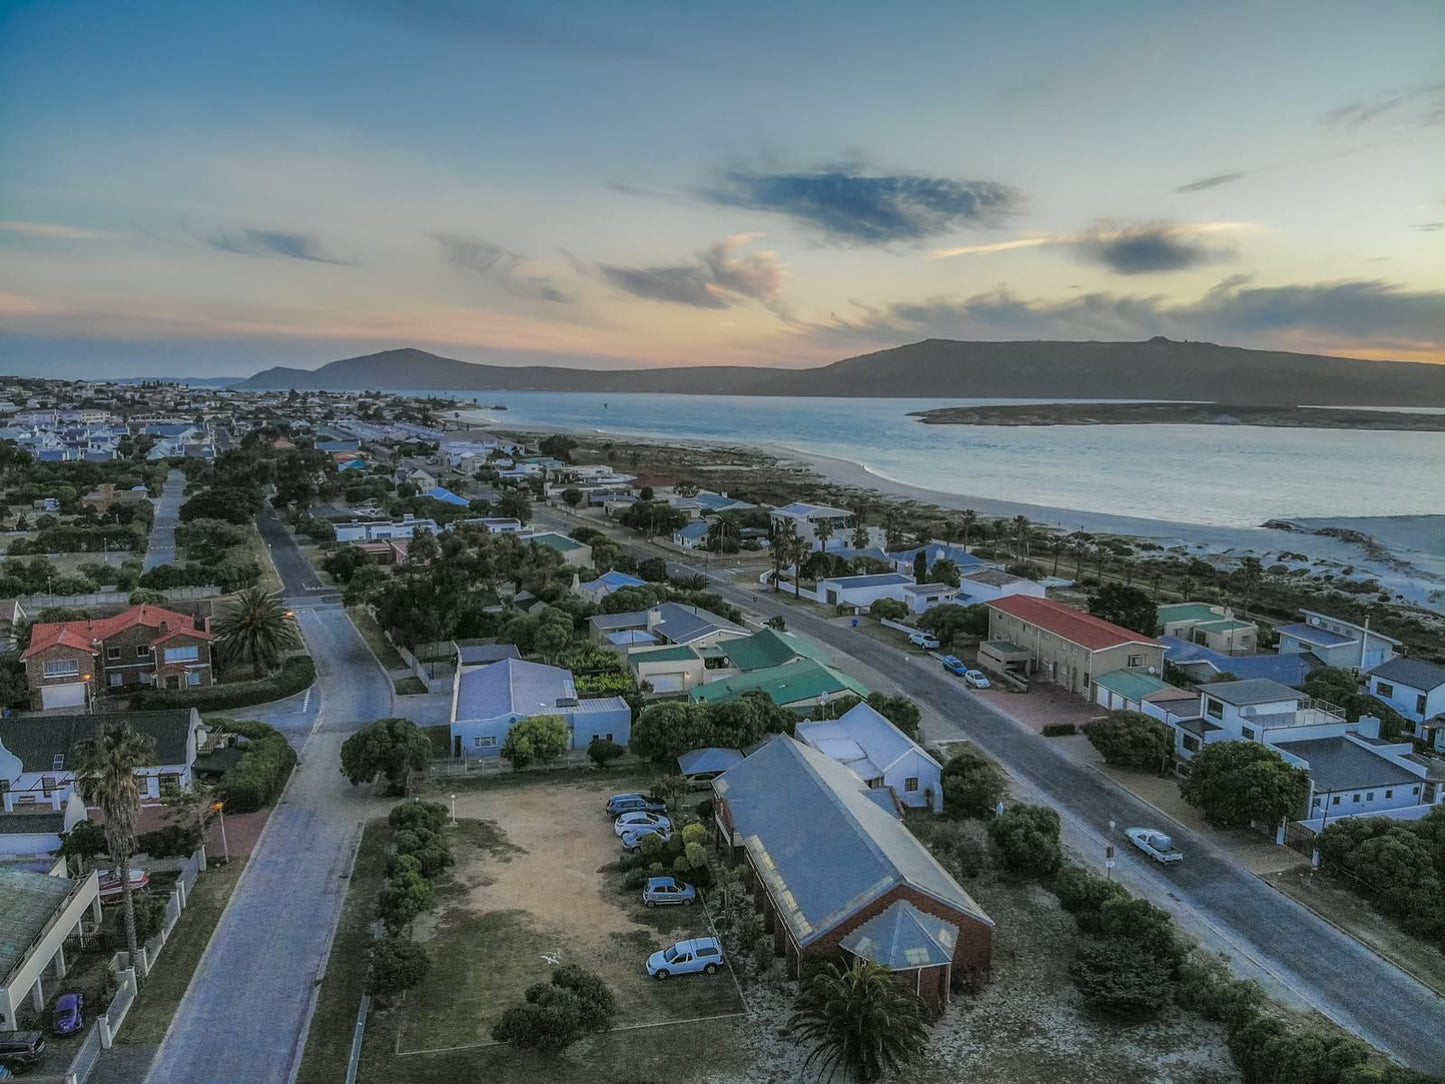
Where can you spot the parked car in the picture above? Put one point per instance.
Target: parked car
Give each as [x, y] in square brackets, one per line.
[703, 954]
[1155, 844]
[977, 679]
[21, 1049]
[633, 803]
[923, 639]
[69, 1014]
[954, 665]
[630, 821]
[632, 841]
[666, 890]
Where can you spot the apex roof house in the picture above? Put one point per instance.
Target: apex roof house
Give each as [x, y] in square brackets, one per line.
[68, 663]
[806, 519]
[1416, 689]
[1214, 627]
[879, 754]
[837, 876]
[1065, 646]
[488, 700]
[1337, 642]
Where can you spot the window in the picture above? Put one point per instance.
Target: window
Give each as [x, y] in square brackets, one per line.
[1384, 688]
[112, 654]
[183, 654]
[142, 651]
[911, 783]
[484, 743]
[60, 668]
[1136, 660]
[1213, 708]
[1249, 732]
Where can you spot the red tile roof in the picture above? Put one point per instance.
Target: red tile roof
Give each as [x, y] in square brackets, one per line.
[1073, 625]
[83, 634]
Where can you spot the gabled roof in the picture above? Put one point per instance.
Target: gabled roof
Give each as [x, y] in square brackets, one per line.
[823, 847]
[1086, 630]
[513, 686]
[83, 634]
[902, 937]
[39, 739]
[1416, 673]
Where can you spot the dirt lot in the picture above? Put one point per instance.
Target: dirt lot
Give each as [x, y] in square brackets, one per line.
[528, 882]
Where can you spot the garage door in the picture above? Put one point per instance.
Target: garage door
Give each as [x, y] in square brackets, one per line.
[666, 683]
[63, 696]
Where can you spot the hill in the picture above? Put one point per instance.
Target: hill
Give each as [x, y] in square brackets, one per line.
[1157, 369]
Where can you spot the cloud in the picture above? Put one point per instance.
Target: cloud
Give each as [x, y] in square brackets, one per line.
[1350, 314]
[483, 257]
[716, 279]
[1126, 250]
[49, 230]
[1211, 182]
[253, 242]
[1420, 105]
[853, 209]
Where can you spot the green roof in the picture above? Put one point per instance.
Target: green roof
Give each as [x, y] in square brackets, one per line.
[764, 648]
[1187, 611]
[672, 653]
[1131, 684]
[557, 541]
[28, 901]
[802, 679]
[39, 739]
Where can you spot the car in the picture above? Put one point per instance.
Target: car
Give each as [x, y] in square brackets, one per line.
[977, 679]
[21, 1049]
[633, 803]
[632, 841]
[632, 821]
[954, 665]
[69, 1014]
[703, 954]
[923, 639]
[667, 890]
[1155, 844]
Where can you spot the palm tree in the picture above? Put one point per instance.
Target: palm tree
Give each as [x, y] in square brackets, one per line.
[967, 519]
[256, 627]
[106, 778]
[859, 1020]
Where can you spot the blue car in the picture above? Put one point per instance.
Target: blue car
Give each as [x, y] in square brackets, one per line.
[69, 1015]
[954, 665]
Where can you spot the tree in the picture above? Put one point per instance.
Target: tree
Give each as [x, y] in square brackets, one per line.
[859, 1020]
[391, 748]
[1236, 782]
[1027, 838]
[949, 621]
[1128, 607]
[1129, 739]
[256, 627]
[572, 496]
[106, 778]
[539, 739]
[972, 784]
[396, 966]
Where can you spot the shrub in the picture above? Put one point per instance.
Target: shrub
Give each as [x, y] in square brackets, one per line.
[296, 674]
[260, 775]
[603, 751]
[1027, 838]
[972, 785]
[1059, 730]
[396, 965]
[1118, 976]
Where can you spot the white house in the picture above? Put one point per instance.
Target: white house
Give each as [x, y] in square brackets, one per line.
[863, 590]
[880, 754]
[488, 700]
[1416, 689]
[806, 519]
[1337, 642]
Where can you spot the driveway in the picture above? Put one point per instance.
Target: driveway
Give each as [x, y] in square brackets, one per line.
[161, 547]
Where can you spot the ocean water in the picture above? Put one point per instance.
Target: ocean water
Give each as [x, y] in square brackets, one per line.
[1228, 476]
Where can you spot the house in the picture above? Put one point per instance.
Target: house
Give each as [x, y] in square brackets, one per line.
[691, 535]
[488, 700]
[39, 754]
[42, 913]
[1203, 664]
[798, 685]
[985, 585]
[1214, 627]
[610, 581]
[879, 754]
[12, 620]
[670, 670]
[862, 590]
[1337, 642]
[922, 597]
[667, 622]
[1064, 646]
[69, 663]
[935, 551]
[1416, 689]
[357, 531]
[837, 876]
[577, 554]
[807, 519]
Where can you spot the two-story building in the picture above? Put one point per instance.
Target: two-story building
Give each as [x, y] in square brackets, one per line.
[69, 663]
[1416, 689]
[1062, 645]
[1337, 642]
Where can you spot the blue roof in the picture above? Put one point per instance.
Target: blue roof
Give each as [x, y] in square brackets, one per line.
[708, 760]
[1288, 670]
[442, 494]
[1312, 634]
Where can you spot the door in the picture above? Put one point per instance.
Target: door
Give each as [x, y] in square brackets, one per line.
[63, 696]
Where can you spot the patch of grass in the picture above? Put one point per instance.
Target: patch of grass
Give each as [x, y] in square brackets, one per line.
[161, 995]
[328, 1044]
[410, 686]
[375, 639]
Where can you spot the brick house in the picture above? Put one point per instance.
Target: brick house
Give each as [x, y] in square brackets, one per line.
[837, 876]
[68, 663]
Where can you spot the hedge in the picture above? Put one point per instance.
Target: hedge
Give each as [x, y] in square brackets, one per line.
[261, 773]
[296, 673]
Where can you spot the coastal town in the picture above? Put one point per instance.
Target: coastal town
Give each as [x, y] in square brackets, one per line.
[394, 735]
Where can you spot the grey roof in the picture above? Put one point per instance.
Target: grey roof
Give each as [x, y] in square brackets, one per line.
[512, 686]
[481, 654]
[822, 845]
[902, 937]
[38, 739]
[27, 902]
[1416, 673]
[1253, 691]
[708, 760]
[1340, 764]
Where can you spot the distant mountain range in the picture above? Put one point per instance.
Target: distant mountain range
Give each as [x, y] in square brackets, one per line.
[1157, 369]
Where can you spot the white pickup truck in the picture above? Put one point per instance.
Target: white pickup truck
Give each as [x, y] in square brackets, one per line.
[1156, 845]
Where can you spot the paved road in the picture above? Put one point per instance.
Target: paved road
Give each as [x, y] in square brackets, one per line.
[244, 1016]
[1228, 908]
[161, 548]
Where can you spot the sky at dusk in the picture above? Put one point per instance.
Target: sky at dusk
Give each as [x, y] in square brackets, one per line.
[210, 189]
